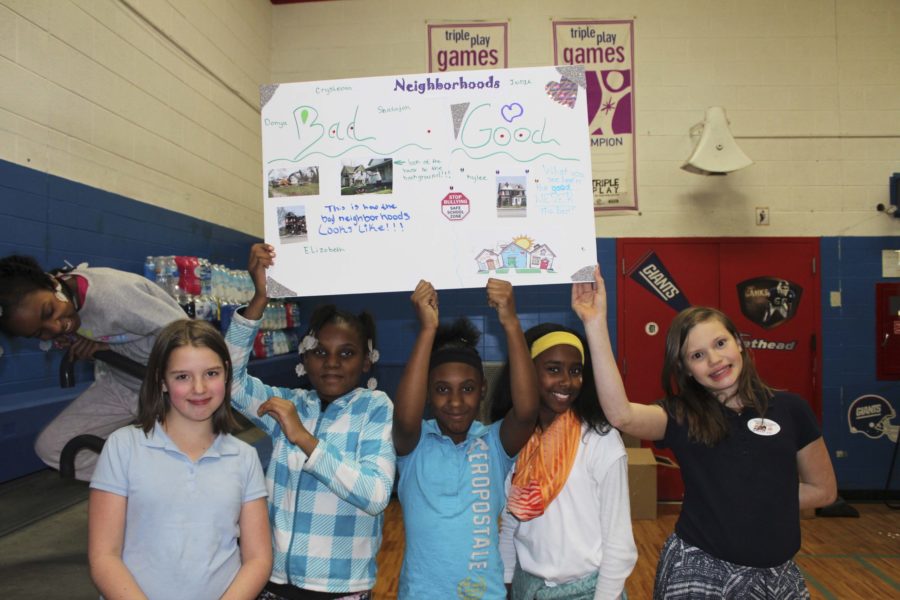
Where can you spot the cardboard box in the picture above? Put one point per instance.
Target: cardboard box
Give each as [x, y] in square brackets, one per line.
[642, 483]
[630, 441]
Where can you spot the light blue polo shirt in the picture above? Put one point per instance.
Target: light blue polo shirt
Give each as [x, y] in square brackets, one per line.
[452, 496]
[182, 517]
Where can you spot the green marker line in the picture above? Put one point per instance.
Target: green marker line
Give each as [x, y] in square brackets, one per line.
[817, 584]
[878, 573]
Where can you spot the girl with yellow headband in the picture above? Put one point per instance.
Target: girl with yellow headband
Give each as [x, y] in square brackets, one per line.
[567, 532]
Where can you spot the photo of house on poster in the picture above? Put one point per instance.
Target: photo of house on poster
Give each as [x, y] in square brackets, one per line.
[451, 177]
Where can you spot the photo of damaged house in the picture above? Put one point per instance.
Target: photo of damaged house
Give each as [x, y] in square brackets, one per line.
[292, 224]
[285, 182]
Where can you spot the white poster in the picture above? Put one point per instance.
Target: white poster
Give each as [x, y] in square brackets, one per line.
[372, 184]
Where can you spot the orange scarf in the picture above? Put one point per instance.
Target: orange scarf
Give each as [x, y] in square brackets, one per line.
[543, 467]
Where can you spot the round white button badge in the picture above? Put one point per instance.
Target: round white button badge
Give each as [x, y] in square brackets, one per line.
[763, 426]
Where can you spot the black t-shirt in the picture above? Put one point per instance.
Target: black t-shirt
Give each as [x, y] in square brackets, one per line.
[741, 499]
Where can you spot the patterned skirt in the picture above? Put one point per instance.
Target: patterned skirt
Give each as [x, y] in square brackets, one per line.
[685, 571]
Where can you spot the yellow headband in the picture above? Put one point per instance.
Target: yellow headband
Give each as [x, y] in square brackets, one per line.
[555, 338]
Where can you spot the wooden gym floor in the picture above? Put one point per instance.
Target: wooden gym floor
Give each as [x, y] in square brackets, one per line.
[842, 558]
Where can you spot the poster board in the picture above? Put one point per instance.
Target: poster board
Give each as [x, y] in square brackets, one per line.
[372, 184]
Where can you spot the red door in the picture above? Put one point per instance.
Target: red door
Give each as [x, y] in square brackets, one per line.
[658, 277]
[778, 312]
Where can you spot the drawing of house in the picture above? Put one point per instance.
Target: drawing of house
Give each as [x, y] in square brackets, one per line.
[542, 257]
[514, 256]
[488, 260]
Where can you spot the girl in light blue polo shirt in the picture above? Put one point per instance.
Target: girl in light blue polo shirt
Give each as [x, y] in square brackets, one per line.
[452, 468]
[172, 494]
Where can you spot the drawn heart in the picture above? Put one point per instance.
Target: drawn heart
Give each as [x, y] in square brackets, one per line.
[563, 92]
[510, 112]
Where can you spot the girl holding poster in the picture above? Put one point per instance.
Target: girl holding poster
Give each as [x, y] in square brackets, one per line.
[332, 465]
[567, 533]
[453, 468]
[750, 457]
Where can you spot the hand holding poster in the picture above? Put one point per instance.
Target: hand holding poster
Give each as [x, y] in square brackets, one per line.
[372, 184]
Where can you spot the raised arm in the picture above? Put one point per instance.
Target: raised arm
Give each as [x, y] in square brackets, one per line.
[818, 486]
[519, 422]
[646, 421]
[249, 394]
[409, 403]
[262, 256]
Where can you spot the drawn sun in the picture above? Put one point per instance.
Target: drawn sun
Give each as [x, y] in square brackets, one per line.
[523, 241]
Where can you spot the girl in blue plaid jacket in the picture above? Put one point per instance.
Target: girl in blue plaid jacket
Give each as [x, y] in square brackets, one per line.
[332, 465]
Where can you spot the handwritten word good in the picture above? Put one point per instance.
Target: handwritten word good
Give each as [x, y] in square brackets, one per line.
[477, 131]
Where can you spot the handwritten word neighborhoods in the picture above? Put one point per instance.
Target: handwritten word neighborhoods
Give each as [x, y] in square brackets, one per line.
[400, 85]
[362, 217]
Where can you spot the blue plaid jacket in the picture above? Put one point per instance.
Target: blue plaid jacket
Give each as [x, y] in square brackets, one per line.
[326, 509]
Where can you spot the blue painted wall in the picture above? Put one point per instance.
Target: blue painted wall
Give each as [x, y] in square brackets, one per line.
[54, 219]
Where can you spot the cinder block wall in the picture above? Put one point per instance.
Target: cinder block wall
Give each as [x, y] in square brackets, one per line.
[156, 101]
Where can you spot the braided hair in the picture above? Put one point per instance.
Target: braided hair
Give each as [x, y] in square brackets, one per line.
[456, 342]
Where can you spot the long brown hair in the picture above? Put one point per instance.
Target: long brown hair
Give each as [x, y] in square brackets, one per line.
[688, 400]
[154, 402]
